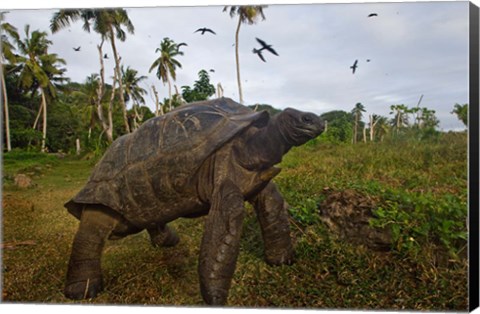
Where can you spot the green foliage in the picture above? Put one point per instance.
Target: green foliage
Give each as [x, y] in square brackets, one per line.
[339, 127]
[462, 112]
[416, 218]
[21, 161]
[420, 186]
[202, 88]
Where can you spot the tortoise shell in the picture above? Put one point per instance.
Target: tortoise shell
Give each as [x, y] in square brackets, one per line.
[157, 162]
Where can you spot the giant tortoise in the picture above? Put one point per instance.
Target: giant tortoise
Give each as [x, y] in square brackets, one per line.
[205, 158]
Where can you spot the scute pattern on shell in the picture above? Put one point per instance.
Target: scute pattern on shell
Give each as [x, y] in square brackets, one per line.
[153, 164]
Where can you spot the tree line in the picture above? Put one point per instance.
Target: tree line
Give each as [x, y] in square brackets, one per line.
[404, 121]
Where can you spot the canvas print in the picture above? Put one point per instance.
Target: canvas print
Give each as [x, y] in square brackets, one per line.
[305, 156]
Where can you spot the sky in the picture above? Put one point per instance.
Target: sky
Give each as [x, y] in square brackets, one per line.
[413, 48]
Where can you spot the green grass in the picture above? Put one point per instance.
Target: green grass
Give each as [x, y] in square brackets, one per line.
[420, 189]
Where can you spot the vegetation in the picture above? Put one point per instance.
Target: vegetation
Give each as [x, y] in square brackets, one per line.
[420, 193]
[246, 14]
[166, 64]
[202, 88]
[462, 113]
[108, 23]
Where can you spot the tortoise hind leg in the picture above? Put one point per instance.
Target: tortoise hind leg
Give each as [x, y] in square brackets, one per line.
[84, 274]
[162, 235]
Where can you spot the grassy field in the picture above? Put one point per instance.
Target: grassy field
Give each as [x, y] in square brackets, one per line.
[416, 190]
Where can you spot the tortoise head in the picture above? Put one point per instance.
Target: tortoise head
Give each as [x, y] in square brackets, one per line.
[298, 127]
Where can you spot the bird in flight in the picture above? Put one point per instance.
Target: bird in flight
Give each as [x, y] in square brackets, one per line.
[203, 30]
[372, 14]
[77, 49]
[354, 66]
[259, 53]
[265, 46]
[212, 70]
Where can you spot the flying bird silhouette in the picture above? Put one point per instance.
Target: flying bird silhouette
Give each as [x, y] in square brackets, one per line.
[354, 66]
[77, 49]
[372, 14]
[368, 60]
[212, 70]
[266, 46]
[203, 30]
[259, 53]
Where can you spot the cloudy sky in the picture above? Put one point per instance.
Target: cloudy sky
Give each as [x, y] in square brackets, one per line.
[414, 48]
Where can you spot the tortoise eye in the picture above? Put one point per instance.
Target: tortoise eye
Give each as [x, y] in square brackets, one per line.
[307, 119]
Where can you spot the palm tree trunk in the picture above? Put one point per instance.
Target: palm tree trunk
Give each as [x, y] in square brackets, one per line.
[107, 127]
[7, 119]
[240, 93]
[38, 117]
[119, 79]
[169, 93]
[157, 105]
[44, 127]
[109, 130]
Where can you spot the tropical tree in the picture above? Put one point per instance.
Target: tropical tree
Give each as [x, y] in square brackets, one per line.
[202, 88]
[133, 91]
[85, 97]
[246, 14]
[382, 128]
[428, 119]
[166, 64]
[339, 126]
[401, 117]
[106, 22]
[357, 116]
[8, 55]
[462, 113]
[40, 71]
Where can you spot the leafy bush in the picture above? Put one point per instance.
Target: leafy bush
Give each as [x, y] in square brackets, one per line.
[415, 219]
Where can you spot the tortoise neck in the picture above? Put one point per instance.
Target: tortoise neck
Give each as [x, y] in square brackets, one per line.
[265, 147]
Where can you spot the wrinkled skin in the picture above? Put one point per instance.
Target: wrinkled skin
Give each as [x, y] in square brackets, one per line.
[240, 170]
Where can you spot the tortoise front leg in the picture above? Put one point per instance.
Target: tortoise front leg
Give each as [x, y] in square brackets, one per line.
[220, 243]
[271, 210]
[84, 274]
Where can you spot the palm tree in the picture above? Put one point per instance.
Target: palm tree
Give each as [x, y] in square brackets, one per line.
[401, 117]
[462, 113]
[166, 64]
[87, 96]
[8, 55]
[39, 71]
[246, 14]
[357, 114]
[133, 91]
[106, 22]
[382, 127]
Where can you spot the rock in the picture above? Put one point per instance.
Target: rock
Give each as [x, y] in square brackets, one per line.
[347, 214]
[23, 181]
